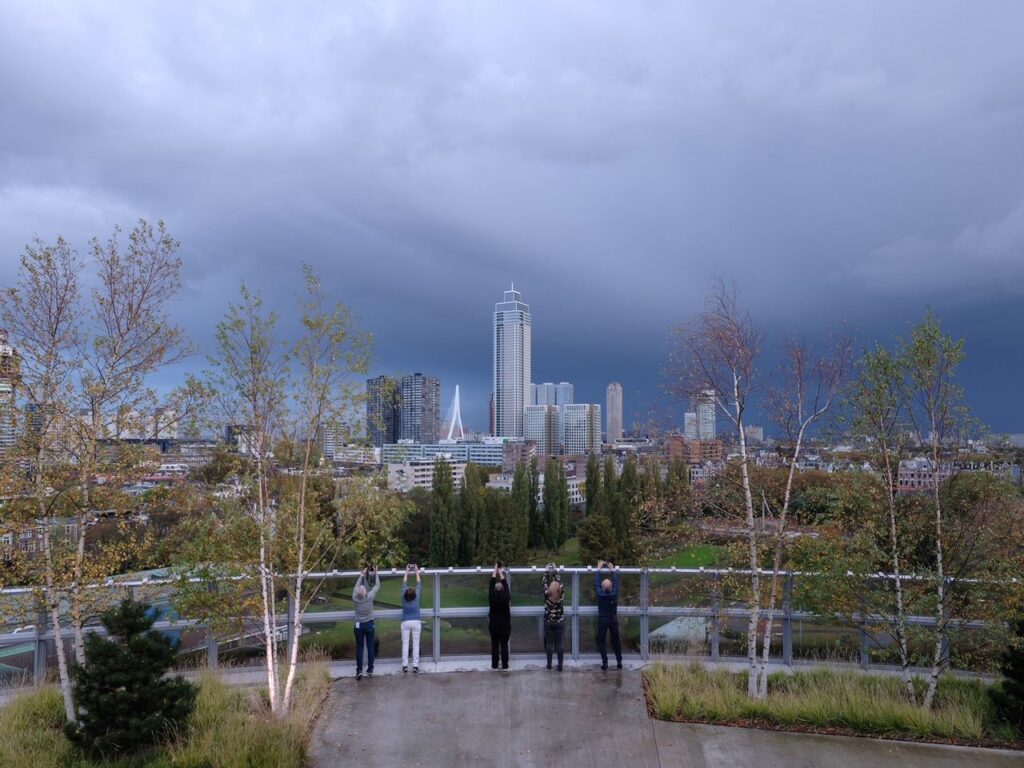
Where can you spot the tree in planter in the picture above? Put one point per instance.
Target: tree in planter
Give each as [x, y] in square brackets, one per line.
[1008, 696]
[127, 703]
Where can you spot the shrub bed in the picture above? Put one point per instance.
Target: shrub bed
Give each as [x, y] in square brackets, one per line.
[829, 702]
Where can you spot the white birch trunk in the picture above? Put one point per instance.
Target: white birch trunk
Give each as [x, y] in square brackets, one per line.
[752, 545]
[901, 614]
[53, 604]
[940, 586]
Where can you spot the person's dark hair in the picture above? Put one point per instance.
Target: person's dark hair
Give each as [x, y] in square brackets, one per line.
[410, 595]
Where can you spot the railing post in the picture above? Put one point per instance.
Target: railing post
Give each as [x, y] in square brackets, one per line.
[436, 629]
[575, 616]
[787, 621]
[39, 652]
[212, 648]
[714, 617]
[862, 630]
[644, 625]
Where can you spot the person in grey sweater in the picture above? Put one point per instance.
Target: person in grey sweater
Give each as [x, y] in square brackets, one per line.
[364, 629]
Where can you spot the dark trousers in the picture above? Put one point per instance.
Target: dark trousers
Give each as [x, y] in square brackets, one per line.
[553, 634]
[499, 643]
[365, 633]
[604, 626]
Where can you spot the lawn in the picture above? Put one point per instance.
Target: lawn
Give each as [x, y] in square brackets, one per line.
[229, 727]
[830, 702]
[696, 556]
[570, 554]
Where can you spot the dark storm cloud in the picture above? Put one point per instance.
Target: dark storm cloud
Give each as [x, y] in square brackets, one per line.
[844, 163]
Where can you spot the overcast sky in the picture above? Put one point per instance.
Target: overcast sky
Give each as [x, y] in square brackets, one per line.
[846, 164]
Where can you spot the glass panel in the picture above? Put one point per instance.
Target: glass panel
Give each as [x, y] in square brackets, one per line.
[467, 590]
[686, 635]
[673, 589]
[337, 639]
[16, 662]
[336, 594]
[815, 641]
[629, 634]
[466, 637]
[527, 589]
[629, 589]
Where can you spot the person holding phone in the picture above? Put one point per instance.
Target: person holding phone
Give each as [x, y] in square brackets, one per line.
[412, 626]
[554, 614]
[499, 619]
[364, 628]
[607, 589]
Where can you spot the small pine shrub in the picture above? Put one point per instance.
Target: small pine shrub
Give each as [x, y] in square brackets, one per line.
[1008, 696]
[125, 702]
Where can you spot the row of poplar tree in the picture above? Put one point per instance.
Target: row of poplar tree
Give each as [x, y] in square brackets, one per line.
[475, 524]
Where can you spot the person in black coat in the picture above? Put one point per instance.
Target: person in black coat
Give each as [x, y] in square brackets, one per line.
[500, 617]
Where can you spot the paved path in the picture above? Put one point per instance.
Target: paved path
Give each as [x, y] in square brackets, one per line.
[582, 717]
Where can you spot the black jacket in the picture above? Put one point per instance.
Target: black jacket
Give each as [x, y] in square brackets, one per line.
[500, 617]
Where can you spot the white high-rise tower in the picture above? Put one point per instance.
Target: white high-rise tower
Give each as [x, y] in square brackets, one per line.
[511, 364]
[613, 412]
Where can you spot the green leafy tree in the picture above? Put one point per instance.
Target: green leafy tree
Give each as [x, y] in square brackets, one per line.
[536, 520]
[371, 521]
[597, 539]
[127, 702]
[416, 532]
[593, 483]
[471, 510]
[556, 505]
[504, 536]
[522, 488]
[444, 526]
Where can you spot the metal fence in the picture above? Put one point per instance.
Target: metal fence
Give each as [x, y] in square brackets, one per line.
[682, 612]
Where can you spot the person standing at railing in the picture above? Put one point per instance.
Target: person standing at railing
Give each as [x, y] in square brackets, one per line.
[554, 614]
[364, 628]
[411, 624]
[499, 618]
[607, 590]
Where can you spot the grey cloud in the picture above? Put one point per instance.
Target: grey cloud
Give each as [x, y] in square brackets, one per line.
[611, 161]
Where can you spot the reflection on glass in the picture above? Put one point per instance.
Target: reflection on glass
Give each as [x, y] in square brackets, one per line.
[684, 635]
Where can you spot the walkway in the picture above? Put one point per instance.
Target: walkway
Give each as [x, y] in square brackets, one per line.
[581, 717]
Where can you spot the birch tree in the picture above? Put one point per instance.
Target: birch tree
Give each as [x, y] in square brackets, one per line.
[939, 414]
[330, 351]
[716, 354]
[249, 374]
[809, 387]
[41, 313]
[878, 405]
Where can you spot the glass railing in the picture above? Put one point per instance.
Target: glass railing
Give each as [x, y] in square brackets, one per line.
[661, 612]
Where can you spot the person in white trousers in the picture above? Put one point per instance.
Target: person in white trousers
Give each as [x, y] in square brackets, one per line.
[411, 624]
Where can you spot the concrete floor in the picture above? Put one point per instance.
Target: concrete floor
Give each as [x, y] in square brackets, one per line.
[581, 717]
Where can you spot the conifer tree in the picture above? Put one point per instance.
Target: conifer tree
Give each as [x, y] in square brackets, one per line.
[444, 529]
[520, 509]
[593, 480]
[126, 701]
[471, 502]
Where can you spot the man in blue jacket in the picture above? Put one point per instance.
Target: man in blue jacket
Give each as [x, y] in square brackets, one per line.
[607, 589]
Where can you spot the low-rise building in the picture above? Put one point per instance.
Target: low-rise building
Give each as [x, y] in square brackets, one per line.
[419, 473]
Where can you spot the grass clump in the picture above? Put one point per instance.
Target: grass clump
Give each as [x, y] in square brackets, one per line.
[230, 727]
[825, 700]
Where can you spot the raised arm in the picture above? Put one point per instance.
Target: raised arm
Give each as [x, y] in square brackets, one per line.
[355, 589]
[376, 585]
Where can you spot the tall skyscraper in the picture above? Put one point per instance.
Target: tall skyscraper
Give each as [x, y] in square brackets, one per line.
[690, 425]
[382, 410]
[512, 323]
[613, 397]
[563, 393]
[420, 410]
[541, 424]
[581, 428]
[704, 406]
[8, 385]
